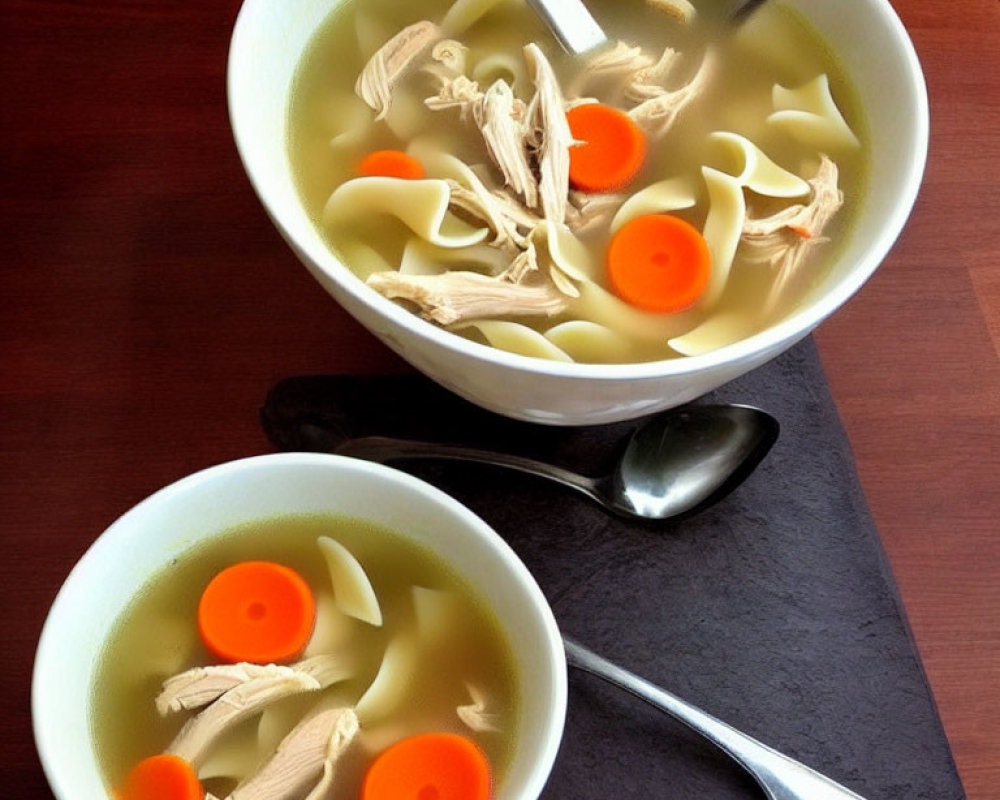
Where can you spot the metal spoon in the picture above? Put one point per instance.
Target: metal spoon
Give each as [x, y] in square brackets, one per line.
[676, 463]
[578, 32]
[781, 777]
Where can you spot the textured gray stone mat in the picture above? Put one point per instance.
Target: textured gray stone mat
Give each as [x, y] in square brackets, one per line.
[774, 610]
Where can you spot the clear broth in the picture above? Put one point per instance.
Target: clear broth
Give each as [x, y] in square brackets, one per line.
[775, 46]
[157, 637]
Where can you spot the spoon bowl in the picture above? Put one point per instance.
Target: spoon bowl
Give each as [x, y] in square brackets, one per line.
[675, 464]
[683, 461]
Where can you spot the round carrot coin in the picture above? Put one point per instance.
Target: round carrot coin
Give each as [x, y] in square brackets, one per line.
[162, 777]
[658, 263]
[429, 766]
[610, 151]
[256, 611]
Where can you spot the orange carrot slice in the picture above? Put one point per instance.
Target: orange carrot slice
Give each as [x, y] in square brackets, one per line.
[658, 263]
[391, 164]
[162, 777]
[429, 766]
[611, 150]
[256, 611]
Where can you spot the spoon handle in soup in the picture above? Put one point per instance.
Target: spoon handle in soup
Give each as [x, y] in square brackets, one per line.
[571, 23]
[781, 777]
[383, 449]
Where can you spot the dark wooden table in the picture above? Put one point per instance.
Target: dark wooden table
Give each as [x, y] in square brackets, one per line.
[147, 306]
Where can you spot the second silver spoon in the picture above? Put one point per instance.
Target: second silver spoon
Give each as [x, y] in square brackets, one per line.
[675, 464]
[781, 777]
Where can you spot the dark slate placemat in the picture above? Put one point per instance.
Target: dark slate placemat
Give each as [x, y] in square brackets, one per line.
[774, 610]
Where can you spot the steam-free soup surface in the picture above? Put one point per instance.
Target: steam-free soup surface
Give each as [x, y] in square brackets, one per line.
[158, 637]
[582, 316]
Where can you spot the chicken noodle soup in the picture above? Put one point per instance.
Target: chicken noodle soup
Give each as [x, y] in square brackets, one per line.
[399, 650]
[510, 170]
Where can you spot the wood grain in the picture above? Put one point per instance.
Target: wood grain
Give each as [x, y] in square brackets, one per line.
[913, 365]
[148, 305]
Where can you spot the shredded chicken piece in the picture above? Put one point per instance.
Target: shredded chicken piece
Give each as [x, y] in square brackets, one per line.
[242, 701]
[476, 715]
[522, 265]
[460, 295]
[524, 218]
[308, 753]
[377, 80]
[647, 83]
[617, 62]
[807, 221]
[344, 733]
[505, 140]
[483, 204]
[658, 114]
[786, 238]
[682, 10]
[589, 211]
[461, 93]
[200, 686]
[552, 138]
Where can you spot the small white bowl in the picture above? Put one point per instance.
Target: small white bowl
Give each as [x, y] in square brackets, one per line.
[142, 542]
[876, 52]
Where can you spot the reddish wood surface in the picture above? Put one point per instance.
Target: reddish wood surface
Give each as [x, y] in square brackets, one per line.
[147, 305]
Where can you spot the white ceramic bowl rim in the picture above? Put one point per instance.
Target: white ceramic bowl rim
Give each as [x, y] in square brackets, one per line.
[804, 320]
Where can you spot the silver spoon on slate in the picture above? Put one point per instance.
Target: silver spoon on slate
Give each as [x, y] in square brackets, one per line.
[781, 777]
[675, 464]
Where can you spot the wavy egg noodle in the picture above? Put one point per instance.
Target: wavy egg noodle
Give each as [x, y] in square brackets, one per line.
[672, 194]
[809, 114]
[602, 307]
[392, 682]
[558, 246]
[420, 257]
[352, 588]
[590, 343]
[723, 227]
[515, 337]
[719, 330]
[755, 170]
[421, 205]
[740, 313]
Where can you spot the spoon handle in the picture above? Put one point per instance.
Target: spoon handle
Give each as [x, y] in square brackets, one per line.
[382, 449]
[571, 23]
[781, 777]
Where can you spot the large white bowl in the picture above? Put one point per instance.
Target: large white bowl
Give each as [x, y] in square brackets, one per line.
[873, 46]
[143, 541]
